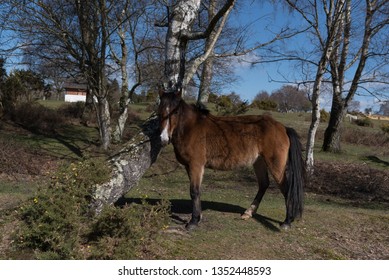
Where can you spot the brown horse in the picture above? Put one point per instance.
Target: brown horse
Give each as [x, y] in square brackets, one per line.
[202, 140]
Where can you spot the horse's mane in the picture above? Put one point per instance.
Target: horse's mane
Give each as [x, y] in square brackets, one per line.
[200, 107]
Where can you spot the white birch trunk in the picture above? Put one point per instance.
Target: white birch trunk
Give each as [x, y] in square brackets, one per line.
[104, 120]
[315, 121]
[119, 129]
[183, 15]
[333, 18]
[210, 45]
[128, 165]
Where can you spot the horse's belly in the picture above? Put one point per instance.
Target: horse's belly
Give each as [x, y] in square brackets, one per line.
[232, 161]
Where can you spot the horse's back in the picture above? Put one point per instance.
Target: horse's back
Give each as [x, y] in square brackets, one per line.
[232, 142]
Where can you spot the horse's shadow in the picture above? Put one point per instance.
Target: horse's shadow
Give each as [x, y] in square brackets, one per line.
[184, 207]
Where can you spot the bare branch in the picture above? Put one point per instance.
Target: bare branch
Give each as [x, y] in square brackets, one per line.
[190, 35]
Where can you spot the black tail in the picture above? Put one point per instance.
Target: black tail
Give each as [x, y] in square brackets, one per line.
[295, 177]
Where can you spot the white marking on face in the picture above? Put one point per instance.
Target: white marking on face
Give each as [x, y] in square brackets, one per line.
[165, 131]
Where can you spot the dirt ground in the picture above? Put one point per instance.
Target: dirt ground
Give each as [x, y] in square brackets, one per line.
[357, 182]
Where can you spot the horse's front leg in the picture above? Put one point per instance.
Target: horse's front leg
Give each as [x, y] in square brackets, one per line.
[195, 173]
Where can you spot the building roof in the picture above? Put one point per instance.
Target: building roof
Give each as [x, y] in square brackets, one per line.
[73, 85]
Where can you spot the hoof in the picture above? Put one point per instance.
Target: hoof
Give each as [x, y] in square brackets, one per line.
[285, 226]
[245, 216]
[191, 226]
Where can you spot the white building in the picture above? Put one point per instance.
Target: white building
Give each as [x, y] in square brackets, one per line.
[75, 92]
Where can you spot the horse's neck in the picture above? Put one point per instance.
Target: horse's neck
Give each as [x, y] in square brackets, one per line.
[188, 118]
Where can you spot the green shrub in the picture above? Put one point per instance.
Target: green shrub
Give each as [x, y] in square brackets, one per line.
[364, 122]
[228, 105]
[266, 104]
[57, 222]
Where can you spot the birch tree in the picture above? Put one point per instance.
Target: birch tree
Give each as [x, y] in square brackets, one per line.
[207, 71]
[349, 62]
[129, 18]
[325, 39]
[181, 18]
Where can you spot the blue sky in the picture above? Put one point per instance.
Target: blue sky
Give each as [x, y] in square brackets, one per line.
[267, 76]
[264, 19]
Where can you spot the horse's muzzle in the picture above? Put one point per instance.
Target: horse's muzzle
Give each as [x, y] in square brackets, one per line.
[165, 140]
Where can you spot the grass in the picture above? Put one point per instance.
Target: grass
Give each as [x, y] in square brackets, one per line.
[222, 235]
[331, 227]
[69, 142]
[334, 225]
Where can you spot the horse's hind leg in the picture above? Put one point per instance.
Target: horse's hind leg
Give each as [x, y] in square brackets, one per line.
[288, 219]
[260, 169]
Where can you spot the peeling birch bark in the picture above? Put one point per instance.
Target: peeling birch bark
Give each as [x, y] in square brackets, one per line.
[183, 15]
[128, 165]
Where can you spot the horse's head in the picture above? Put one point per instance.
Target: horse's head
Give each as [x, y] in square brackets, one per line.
[168, 113]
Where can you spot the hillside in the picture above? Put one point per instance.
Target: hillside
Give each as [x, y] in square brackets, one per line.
[346, 202]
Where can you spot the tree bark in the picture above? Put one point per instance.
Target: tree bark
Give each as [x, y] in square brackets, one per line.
[332, 12]
[315, 121]
[332, 134]
[207, 73]
[181, 20]
[338, 65]
[206, 79]
[124, 99]
[129, 164]
[104, 120]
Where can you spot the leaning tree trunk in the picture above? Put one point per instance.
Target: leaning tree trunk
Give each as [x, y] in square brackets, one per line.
[309, 161]
[129, 164]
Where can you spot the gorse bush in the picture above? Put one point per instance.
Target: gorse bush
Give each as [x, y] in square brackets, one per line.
[230, 105]
[55, 219]
[266, 104]
[128, 232]
[57, 222]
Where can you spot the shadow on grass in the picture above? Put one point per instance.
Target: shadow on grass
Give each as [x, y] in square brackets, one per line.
[184, 206]
[377, 160]
[72, 140]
